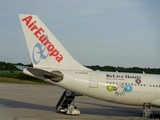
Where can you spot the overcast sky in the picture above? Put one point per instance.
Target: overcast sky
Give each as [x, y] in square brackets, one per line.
[122, 33]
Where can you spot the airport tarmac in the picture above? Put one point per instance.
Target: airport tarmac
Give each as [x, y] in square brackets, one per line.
[37, 102]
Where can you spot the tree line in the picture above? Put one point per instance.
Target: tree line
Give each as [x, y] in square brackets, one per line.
[129, 70]
[12, 67]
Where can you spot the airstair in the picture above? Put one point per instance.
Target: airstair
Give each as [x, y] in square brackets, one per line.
[147, 110]
[66, 103]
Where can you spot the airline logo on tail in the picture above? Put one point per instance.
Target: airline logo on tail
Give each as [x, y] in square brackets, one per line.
[41, 53]
[39, 33]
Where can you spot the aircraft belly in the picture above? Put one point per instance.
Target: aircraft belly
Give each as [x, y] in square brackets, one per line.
[132, 98]
[155, 98]
[156, 102]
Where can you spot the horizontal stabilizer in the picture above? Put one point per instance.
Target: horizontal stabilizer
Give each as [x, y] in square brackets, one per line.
[20, 67]
[55, 76]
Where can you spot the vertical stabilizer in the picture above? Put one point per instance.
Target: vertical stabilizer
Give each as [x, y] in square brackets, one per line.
[44, 49]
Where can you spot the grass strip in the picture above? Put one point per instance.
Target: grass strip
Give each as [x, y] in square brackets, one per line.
[19, 81]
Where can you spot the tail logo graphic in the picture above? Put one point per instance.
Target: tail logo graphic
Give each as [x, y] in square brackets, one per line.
[39, 33]
[40, 52]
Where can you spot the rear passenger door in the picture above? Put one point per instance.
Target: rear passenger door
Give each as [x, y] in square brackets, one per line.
[93, 81]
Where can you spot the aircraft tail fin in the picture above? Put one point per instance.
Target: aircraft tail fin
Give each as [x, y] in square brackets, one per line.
[44, 49]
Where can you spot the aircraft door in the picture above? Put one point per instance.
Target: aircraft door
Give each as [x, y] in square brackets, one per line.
[93, 81]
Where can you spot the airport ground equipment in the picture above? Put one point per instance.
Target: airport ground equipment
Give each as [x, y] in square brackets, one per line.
[147, 110]
[66, 103]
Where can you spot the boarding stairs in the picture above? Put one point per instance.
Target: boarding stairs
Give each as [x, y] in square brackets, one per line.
[66, 103]
[147, 110]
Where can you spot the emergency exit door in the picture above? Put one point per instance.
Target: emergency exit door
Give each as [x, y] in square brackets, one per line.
[94, 81]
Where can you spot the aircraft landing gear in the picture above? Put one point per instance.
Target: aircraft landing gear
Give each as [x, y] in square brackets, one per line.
[66, 103]
[147, 111]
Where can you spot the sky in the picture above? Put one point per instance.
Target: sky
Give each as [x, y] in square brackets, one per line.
[122, 33]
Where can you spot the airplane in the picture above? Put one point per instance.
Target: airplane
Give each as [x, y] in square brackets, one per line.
[52, 63]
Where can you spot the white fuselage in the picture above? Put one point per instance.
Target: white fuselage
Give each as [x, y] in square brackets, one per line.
[124, 88]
